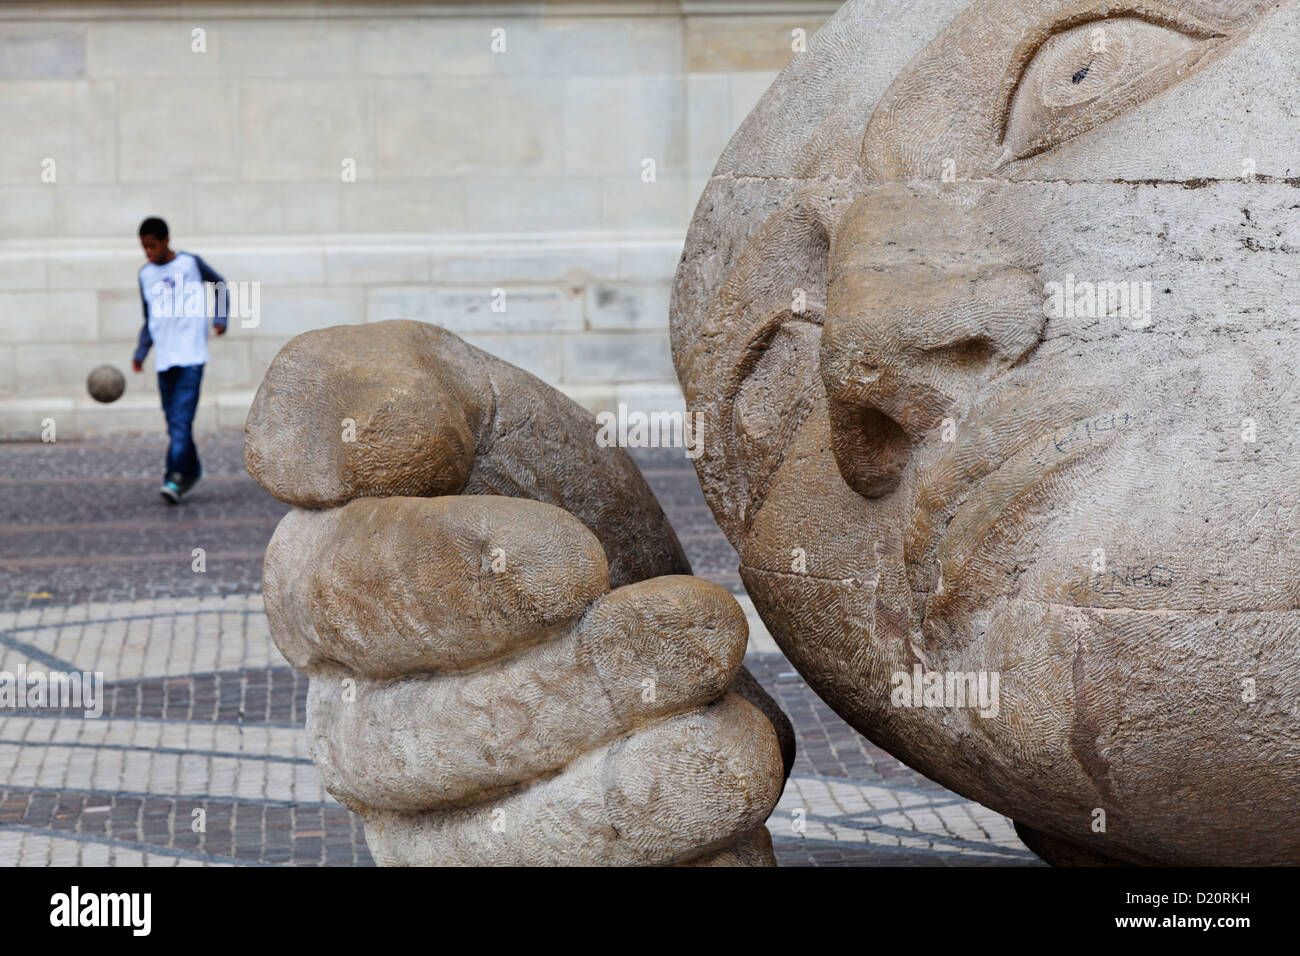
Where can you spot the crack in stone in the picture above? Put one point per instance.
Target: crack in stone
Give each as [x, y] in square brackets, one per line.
[814, 577]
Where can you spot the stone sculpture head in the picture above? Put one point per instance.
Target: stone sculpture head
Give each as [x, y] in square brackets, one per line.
[1000, 374]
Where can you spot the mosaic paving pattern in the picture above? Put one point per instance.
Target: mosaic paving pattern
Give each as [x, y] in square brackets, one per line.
[199, 757]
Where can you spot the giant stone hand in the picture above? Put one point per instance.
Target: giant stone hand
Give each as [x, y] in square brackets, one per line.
[509, 661]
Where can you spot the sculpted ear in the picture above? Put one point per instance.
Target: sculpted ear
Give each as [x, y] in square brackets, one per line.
[750, 369]
[915, 324]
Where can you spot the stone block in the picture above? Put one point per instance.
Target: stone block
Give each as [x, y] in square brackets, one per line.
[617, 357]
[69, 122]
[187, 135]
[121, 315]
[141, 48]
[229, 365]
[440, 46]
[60, 369]
[27, 211]
[239, 209]
[128, 415]
[497, 125]
[42, 51]
[368, 265]
[427, 205]
[651, 259]
[567, 45]
[293, 48]
[48, 317]
[628, 306]
[23, 418]
[728, 44]
[709, 122]
[558, 261]
[509, 205]
[94, 269]
[747, 88]
[22, 271]
[8, 380]
[270, 264]
[290, 310]
[113, 209]
[613, 123]
[304, 129]
[630, 203]
[468, 310]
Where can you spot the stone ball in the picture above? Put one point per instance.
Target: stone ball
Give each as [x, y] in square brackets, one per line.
[106, 384]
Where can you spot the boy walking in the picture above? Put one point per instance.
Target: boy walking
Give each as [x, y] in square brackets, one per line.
[175, 303]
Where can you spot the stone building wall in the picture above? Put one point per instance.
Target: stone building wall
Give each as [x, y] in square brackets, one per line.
[360, 162]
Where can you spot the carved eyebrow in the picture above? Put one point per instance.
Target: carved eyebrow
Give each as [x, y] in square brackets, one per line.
[1028, 48]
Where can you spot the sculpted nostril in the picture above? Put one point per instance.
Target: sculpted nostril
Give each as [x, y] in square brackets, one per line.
[871, 449]
[878, 408]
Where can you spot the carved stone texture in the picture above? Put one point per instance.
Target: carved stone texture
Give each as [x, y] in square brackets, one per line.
[509, 661]
[999, 369]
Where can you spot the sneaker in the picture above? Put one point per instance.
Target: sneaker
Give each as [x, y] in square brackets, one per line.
[171, 492]
[187, 485]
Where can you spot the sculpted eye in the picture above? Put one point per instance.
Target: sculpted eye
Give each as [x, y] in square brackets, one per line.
[1087, 74]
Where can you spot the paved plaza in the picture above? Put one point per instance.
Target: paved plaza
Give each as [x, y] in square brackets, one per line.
[199, 756]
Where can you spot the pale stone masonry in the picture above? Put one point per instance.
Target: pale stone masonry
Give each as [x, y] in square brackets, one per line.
[476, 173]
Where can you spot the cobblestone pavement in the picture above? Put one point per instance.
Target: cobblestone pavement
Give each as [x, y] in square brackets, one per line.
[199, 757]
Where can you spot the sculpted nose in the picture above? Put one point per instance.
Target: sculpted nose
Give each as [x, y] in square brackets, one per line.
[923, 306]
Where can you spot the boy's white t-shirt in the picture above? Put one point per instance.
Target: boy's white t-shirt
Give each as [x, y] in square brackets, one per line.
[178, 311]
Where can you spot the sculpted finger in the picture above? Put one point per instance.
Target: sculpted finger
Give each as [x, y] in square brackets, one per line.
[673, 791]
[641, 653]
[748, 687]
[753, 848]
[386, 587]
[352, 412]
[407, 409]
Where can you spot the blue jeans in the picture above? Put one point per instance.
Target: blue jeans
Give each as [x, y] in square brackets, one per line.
[179, 386]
